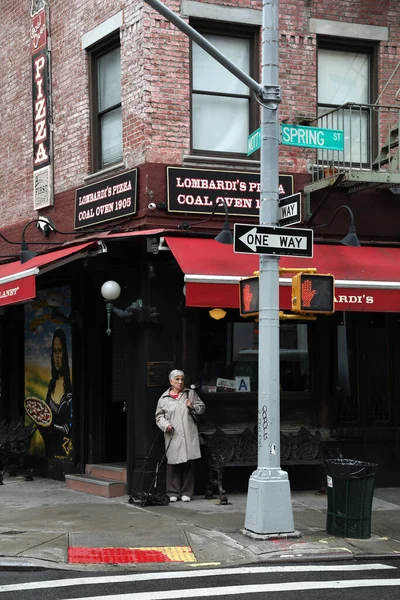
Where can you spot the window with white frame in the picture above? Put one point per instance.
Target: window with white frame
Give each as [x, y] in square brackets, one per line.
[106, 105]
[344, 75]
[222, 106]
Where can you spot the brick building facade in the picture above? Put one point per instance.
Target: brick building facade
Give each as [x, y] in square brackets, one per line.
[155, 71]
[129, 95]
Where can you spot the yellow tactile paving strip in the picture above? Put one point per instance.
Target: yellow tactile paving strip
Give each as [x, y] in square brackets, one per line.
[157, 554]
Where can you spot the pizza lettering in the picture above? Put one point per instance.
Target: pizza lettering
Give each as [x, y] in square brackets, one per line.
[38, 411]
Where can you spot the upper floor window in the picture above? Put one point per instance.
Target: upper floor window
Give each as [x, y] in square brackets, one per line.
[106, 106]
[223, 114]
[344, 75]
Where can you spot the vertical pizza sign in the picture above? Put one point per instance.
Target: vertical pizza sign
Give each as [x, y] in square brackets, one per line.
[41, 104]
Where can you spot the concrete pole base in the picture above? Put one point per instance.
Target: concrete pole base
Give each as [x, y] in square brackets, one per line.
[269, 503]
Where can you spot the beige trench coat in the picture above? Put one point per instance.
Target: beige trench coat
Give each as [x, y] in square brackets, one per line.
[185, 440]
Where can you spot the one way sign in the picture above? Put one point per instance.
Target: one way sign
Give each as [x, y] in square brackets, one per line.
[290, 209]
[260, 239]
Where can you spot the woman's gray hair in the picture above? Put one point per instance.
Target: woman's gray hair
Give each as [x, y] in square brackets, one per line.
[175, 373]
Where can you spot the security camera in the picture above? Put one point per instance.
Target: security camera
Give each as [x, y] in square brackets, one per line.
[152, 206]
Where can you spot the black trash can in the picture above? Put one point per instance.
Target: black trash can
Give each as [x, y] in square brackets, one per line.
[350, 491]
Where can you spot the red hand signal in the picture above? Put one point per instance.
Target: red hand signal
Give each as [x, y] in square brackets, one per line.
[307, 293]
[247, 297]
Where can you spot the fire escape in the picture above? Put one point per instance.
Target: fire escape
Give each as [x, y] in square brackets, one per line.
[371, 156]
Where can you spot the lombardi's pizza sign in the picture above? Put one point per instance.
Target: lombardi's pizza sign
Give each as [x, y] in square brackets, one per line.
[106, 200]
[353, 299]
[199, 190]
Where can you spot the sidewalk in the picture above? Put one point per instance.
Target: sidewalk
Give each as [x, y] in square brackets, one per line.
[41, 520]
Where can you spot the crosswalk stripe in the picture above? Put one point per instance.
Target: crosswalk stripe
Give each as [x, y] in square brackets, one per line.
[247, 589]
[104, 579]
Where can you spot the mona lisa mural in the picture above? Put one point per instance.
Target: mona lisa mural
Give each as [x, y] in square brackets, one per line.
[48, 373]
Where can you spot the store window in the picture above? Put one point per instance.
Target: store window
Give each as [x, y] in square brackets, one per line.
[229, 357]
[223, 111]
[345, 75]
[106, 105]
[364, 376]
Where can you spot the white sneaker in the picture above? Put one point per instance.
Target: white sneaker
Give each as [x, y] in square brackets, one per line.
[185, 499]
[173, 499]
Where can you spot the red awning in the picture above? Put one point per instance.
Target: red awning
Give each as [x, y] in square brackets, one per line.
[366, 278]
[18, 281]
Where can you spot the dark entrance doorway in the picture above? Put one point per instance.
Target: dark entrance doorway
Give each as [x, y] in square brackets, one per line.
[119, 383]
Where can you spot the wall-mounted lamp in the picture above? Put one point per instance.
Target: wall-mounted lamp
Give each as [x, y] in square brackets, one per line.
[111, 290]
[3, 237]
[225, 235]
[350, 239]
[217, 313]
[46, 225]
[43, 223]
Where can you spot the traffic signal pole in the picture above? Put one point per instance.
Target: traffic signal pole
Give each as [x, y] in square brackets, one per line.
[269, 507]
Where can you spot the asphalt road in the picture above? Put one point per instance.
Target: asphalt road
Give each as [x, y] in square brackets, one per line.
[332, 581]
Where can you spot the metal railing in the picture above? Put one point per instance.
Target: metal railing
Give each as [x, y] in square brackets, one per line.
[371, 140]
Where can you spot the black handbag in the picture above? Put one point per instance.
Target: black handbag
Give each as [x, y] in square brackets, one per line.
[194, 416]
[191, 410]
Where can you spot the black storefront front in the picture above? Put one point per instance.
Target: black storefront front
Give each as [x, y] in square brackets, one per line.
[338, 374]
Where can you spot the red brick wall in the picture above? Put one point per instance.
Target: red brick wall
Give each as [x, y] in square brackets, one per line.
[16, 157]
[155, 81]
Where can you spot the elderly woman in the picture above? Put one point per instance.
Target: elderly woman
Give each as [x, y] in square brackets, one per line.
[176, 416]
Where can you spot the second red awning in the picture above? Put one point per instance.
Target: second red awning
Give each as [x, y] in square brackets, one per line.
[366, 278]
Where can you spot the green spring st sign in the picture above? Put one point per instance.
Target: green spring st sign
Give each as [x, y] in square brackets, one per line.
[300, 135]
[312, 137]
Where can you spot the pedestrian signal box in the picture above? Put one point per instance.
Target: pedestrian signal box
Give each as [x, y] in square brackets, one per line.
[249, 296]
[313, 294]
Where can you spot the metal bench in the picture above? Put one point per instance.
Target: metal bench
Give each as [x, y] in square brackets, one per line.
[240, 450]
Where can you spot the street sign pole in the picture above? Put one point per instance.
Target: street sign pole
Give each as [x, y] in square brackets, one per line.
[269, 506]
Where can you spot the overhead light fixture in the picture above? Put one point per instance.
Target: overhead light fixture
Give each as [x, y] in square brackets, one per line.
[46, 225]
[351, 238]
[225, 235]
[217, 313]
[26, 254]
